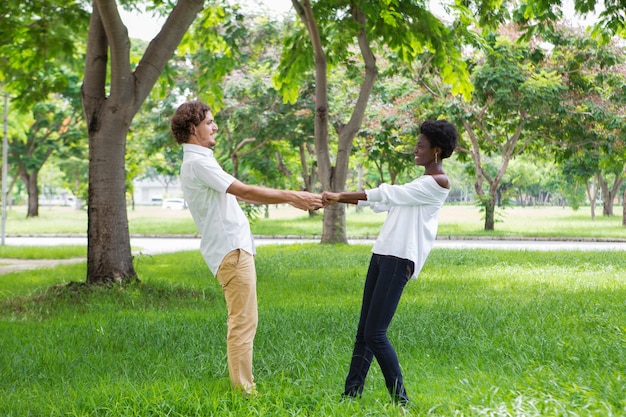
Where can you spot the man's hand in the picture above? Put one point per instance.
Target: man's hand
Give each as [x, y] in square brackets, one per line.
[305, 200]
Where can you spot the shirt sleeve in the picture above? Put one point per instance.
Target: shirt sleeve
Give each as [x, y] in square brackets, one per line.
[376, 207]
[422, 191]
[211, 175]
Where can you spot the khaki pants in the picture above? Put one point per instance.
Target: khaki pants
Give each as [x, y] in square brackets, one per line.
[237, 275]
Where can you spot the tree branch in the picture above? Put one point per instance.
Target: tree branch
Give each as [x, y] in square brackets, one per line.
[163, 46]
[119, 45]
[96, 61]
[305, 12]
[348, 131]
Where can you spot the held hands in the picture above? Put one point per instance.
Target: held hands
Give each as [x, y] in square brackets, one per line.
[305, 200]
[329, 198]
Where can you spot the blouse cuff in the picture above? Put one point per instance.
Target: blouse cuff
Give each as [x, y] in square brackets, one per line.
[374, 194]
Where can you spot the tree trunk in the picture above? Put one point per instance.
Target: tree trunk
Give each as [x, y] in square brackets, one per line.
[591, 194]
[109, 258]
[360, 182]
[509, 150]
[607, 196]
[488, 202]
[111, 95]
[624, 209]
[30, 179]
[333, 178]
[611, 194]
[334, 226]
[324, 166]
[308, 172]
[490, 213]
[33, 199]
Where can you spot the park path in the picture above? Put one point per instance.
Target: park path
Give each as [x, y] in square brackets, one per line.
[156, 245]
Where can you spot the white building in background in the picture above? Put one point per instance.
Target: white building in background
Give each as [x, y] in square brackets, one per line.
[153, 191]
[63, 199]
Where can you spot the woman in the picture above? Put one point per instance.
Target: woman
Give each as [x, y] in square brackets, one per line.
[399, 253]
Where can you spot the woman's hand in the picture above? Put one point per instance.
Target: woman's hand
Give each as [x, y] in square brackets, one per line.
[329, 198]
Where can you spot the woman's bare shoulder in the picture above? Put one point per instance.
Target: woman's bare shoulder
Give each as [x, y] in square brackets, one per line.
[442, 180]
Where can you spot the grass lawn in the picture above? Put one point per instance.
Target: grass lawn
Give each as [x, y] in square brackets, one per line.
[43, 252]
[284, 220]
[481, 333]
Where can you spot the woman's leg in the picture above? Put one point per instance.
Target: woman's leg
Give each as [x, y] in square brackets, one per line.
[393, 275]
[362, 355]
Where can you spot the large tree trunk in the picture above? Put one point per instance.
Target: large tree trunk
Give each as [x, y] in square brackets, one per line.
[334, 178]
[109, 257]
[334, 226]
[320, 124]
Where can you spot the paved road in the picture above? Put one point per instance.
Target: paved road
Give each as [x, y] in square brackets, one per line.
[150, 245]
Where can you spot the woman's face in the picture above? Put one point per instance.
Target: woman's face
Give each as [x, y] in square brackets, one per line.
[423, 153]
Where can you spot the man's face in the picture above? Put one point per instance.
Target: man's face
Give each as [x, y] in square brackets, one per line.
[204, 133]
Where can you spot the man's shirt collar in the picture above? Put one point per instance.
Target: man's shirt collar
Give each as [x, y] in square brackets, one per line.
[190, 147]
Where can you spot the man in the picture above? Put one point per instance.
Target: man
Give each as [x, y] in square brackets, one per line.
[227, 244]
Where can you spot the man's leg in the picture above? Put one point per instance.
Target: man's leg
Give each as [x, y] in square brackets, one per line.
[237, 275]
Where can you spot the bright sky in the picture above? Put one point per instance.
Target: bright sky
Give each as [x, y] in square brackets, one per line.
[143, 26]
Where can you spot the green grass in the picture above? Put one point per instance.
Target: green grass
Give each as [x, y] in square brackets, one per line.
[532, 222]
[516, 222]
[43, 252]
[481, 333]
[455, 220]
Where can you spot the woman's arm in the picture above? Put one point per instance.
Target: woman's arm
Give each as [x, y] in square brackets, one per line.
[350, 198]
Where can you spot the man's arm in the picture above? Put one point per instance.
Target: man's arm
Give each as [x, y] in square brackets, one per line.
[262, 195]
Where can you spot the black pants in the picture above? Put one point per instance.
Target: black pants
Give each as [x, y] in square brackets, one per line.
[386, 278]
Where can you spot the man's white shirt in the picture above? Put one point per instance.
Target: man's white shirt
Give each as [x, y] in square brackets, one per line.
[219, 218]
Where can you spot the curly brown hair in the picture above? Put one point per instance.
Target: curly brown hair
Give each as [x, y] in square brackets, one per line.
[187, 115]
